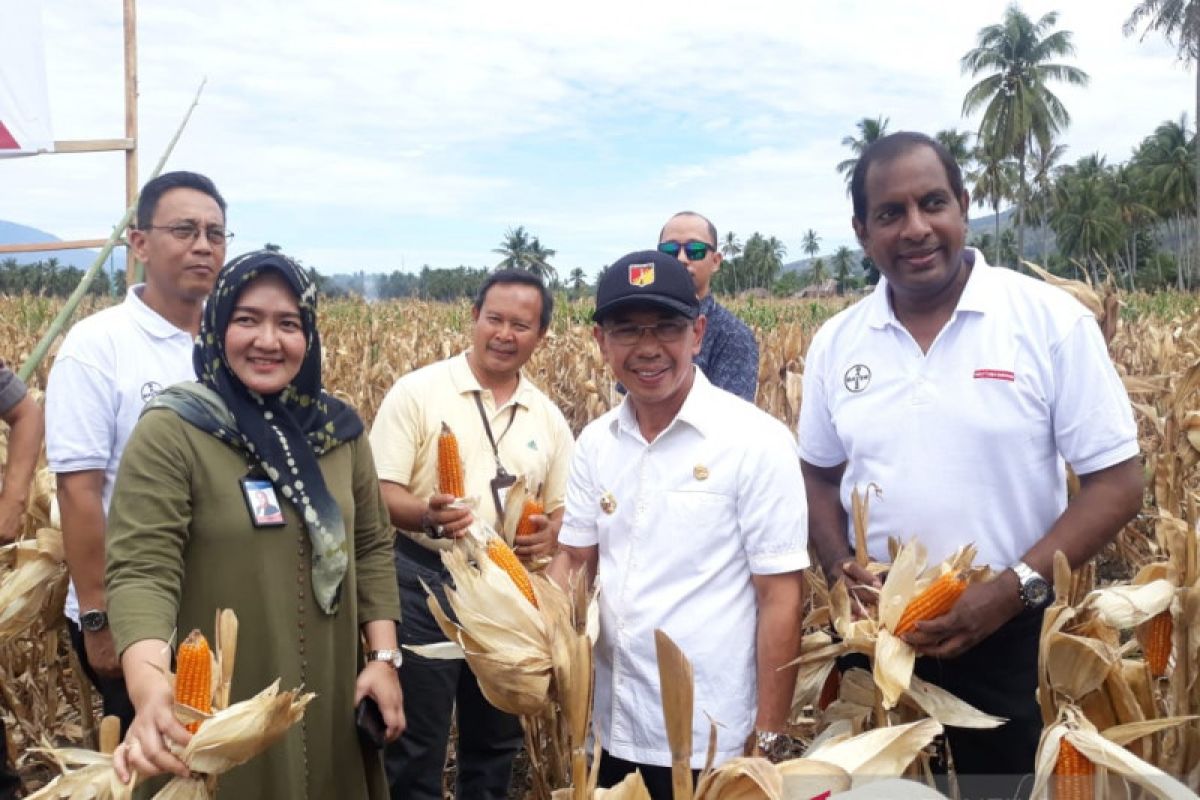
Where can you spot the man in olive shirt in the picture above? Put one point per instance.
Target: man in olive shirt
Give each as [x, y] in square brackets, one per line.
[505, 427]
[25, 427]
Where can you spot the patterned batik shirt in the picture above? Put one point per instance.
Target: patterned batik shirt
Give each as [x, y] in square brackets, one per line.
[729, 355]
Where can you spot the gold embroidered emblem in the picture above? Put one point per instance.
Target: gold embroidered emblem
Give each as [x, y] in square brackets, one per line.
[700, 472]
[608, 503]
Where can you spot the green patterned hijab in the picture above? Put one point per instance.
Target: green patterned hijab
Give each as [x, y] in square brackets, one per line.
[283, 433]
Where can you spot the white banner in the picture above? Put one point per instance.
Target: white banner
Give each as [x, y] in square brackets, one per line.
[24, 102]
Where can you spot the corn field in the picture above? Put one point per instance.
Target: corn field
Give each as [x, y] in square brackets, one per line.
[1154, 341]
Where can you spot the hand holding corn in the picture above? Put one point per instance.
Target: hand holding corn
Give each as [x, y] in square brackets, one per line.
[154, 725]
[537, 535]
[452, 520]
[982, 607]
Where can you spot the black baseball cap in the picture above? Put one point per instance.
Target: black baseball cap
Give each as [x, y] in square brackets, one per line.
[646, 278]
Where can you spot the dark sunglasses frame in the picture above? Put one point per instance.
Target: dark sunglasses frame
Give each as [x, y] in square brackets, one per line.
[695, 250]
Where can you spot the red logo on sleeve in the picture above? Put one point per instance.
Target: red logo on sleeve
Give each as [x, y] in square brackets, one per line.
[995, 375]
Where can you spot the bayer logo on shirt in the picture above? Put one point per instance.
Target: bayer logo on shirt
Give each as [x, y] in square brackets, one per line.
[151, 390]
[857, 378]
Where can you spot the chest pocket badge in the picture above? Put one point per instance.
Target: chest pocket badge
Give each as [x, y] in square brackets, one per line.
[608, 503]
[700, 472]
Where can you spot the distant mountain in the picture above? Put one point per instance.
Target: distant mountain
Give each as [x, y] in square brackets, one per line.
[14, 233]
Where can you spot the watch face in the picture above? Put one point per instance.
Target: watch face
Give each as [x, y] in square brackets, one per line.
[93, 621]
[1037, 593]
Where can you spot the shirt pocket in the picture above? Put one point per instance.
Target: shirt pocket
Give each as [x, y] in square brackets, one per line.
[704, 526]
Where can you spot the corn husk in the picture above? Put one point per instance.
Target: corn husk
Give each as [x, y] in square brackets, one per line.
[677, 686]
[92, 778]
[38, 574]
[880, 753]
[741, 779]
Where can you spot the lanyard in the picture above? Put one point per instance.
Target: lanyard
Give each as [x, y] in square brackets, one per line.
[492, 439]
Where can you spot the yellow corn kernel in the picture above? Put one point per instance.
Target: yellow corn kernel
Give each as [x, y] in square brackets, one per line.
[193, 675]
[937, 598]
[1158, 643]
[1074, 774]
[503, 556]
[532, 506]
[450, 469]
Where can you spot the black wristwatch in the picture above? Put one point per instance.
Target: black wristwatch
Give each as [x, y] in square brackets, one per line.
[93, 621]
[1036, 592]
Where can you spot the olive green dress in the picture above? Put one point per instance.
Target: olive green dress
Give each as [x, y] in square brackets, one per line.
[181, 544]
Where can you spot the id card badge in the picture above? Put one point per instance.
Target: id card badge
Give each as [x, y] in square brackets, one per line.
[259, 494]
[501, 484]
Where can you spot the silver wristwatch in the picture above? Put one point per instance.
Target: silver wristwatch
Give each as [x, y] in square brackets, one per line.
[393, 657]
[1036, 592]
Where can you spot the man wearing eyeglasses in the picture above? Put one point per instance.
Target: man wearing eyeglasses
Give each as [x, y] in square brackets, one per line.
[682, 502]
[728, 355]
[110, 364]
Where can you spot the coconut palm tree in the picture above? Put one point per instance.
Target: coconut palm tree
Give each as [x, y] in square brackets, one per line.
[1165, 157]
[539, 262]
[995, 180]
[1016, 57]
[958, 145]
[811, 244]
[1128, 187]
[731, 248]
[842, 260]
[1085, 217]
[1179, 21]
[869, 130]
[515, 249]
[1043, 159]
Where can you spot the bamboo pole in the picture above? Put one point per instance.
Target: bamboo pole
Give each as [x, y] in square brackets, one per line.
[45, 247]
[60, 321]
[132, 268]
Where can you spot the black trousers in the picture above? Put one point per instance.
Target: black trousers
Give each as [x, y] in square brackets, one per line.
[434, 690]
[997, 676]
[657, 779]
[10, 781]
[112, 690]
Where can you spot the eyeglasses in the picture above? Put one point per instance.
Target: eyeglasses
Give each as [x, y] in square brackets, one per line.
[693, 250]
[666, 331]
[186, 232]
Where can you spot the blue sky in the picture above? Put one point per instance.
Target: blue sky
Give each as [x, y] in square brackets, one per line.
[386, 135]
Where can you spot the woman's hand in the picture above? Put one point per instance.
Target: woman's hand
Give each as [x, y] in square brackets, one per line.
[145, 749]
[380, 681]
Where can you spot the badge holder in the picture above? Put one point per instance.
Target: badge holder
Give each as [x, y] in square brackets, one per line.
[259, 494]
[501, 484]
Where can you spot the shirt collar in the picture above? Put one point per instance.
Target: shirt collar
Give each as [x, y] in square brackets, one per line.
[977, 295]
[147, 318]
[695, 411]
[465, 382]
[707, 304]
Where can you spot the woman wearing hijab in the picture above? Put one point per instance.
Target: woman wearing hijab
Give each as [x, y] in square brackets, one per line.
[184, 539]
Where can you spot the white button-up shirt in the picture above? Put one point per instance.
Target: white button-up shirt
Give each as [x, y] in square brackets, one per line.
[109, 366]
[967, 440]
[716, 498]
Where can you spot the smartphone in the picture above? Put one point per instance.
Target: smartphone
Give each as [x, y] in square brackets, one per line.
[372, 730]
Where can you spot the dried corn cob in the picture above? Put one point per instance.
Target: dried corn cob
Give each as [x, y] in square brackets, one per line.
[503, 556]
[937, 598]
[1073, 774]
[450, 470]
[193, 675]
[1158, 643]
[532, 506]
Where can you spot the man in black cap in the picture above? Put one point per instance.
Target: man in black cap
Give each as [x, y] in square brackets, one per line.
[683, 502]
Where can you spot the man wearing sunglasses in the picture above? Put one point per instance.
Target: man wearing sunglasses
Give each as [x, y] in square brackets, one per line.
[108, 367]
[728, 354]
[682, 502]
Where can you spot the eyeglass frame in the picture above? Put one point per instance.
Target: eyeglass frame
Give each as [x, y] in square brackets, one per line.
[683, 246]
[655, 329]
[176, 229]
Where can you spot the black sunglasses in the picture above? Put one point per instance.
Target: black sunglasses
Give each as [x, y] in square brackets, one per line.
[693, 250]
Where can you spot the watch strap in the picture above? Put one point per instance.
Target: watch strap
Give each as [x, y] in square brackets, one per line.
[392, 656]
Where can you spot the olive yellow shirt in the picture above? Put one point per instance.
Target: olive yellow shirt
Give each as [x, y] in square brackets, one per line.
[537, 445]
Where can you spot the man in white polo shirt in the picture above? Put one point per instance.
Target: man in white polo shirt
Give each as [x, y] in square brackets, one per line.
[685, 503]
[960, 389]
[108, 367]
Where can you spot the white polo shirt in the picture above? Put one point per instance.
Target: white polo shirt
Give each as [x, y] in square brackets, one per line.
[715, 498]
[967, 441]
[110, 364]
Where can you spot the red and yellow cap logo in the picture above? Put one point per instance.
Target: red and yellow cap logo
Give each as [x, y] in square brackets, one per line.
[641, 274]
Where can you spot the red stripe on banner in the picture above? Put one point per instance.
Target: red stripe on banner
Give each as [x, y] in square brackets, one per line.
[7, 142]
[995, 374]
